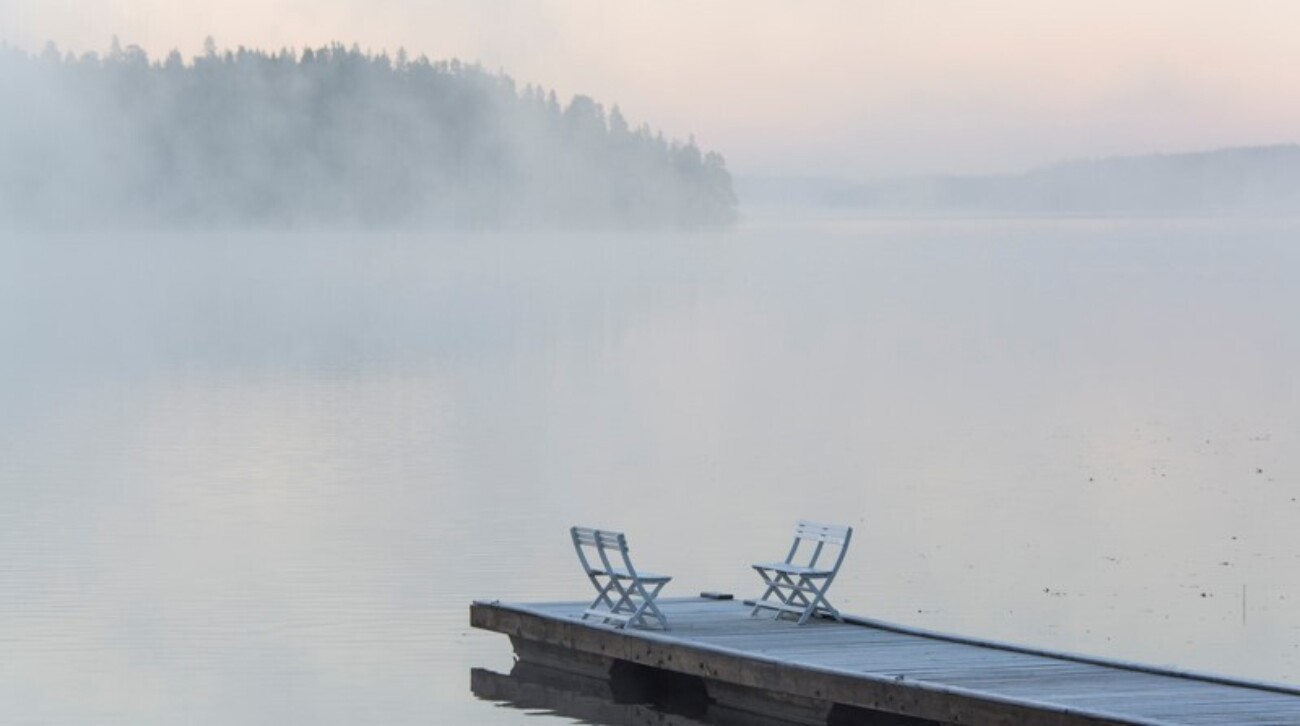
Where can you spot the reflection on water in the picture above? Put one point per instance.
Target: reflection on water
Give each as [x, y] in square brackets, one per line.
[630, 696]
[623, 698]
[258, 479]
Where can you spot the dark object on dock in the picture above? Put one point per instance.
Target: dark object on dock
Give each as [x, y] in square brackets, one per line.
[867, 672]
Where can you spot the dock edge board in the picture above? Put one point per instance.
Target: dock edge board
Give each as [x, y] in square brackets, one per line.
[781, 678]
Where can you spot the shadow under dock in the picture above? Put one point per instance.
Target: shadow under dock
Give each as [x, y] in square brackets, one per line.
[718, 665]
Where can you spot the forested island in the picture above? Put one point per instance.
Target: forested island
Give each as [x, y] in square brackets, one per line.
[331, 136]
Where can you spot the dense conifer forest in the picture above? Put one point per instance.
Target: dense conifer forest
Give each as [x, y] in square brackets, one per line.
[330, 136]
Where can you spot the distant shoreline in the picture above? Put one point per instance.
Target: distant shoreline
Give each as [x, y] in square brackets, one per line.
[1244, 181]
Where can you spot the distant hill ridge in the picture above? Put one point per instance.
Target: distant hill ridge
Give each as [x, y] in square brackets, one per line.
[1222, 180]
[1244, 180]
[326, 137]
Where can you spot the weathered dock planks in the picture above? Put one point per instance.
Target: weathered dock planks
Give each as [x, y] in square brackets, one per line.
[858, 670]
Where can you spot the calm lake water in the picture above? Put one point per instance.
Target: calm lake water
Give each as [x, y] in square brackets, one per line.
[258, 479]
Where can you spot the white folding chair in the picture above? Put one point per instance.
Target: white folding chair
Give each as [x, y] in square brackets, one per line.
[797, 586]
[623, 595]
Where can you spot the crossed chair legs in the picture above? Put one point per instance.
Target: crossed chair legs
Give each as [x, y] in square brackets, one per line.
[802, 597]
[635, 601]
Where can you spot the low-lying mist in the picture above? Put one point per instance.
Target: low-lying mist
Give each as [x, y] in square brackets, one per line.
[328, 137]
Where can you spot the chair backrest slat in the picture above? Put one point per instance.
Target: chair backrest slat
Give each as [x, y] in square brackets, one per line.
[821, 535]
[602, 541]
[584, 535]
[833, 534]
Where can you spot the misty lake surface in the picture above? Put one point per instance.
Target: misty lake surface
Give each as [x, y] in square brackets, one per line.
[258, 478]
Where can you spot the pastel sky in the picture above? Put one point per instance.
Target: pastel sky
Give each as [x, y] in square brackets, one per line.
[853, 88]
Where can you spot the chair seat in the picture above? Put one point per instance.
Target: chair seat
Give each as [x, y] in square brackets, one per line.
[794, 569]
[642, 576]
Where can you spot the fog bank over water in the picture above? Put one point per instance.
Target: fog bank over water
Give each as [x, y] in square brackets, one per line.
[325, 137]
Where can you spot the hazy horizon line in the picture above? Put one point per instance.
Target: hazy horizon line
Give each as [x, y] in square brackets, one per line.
[1018, 171]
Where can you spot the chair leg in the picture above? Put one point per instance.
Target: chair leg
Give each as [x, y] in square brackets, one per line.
[648, 605]
[602, 592]
[624, 603]
[602, 595]
[654, 607]
[800, 599]
[773, 588]
[635, 599]
[795, 594]
[604, 605]
[798, 592]
[809, 608]
[818, 602]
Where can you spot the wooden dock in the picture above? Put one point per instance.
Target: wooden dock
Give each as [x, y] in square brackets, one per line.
[863, 671]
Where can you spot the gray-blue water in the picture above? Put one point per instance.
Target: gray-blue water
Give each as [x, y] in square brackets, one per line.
[257, 479]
